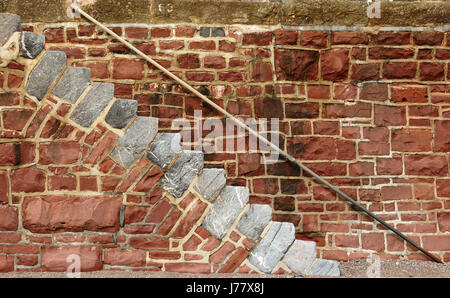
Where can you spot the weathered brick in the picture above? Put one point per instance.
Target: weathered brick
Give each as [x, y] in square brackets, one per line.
[55, 258]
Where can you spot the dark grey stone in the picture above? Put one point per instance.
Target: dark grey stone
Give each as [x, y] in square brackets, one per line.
[121, 113]
[73, 83]
[323, 267]
[9, 23]
[185, 168]
[45, 73]
[205, 31]
[31, 44]
[93, 104]
[210, 183]
[253, 223]
[164, 149]
[218, 32]
[268, 252]
[136, 138]
[226, 209]
[300, 256]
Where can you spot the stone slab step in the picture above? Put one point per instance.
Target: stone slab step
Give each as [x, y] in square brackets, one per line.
[268, 252]
[300, 256]
[225, 210]
[164, 149]
[135, 140]
[210, 183]
[121, 113]
[255, 220]
[45, 73]
[93, 104]
[31, 44]
[73, 83]
[9, 23]
[323, 267]
[185, 168]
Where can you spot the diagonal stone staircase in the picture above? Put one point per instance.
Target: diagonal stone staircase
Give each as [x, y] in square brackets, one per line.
[212, 222]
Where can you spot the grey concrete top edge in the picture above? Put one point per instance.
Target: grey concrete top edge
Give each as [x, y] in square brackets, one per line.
[285, 12]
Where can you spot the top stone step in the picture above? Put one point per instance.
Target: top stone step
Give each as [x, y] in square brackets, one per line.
[9, 23]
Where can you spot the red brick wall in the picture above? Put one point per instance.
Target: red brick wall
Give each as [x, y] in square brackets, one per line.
[369, 111]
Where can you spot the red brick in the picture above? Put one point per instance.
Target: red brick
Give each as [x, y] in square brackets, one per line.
[169, 223]
[436, 243]
[360, 110]
[265, 186]
[428, 38]
[27, 260]
[426, 165]
[286, 37]
[6, 263]
[28, 180]
[129, 258]
[389, 166]
[185, 31]
[239, 256]
[161, 32]
[399, 70]
[409, 94]
[149, 243]
[147, 182]
[390, 193]
[9, 98]
[361, 169]
[353, 38]
[232, 76]
[137, 32]
[373, 241]
[314, 39]
[214, 62]
[165, 255]
[192, 243]
[55, 35]
[432, 71]
[128, 69]
[257, 38]
[220, 255]
[284, 203]
[389, 115]
[374, 92]
[71, 214]
[62, 183]
[188, 268]
[319, 91]
[390, 53]
[411, 140]
[59, 153]
[442, 54]
[391, 38]
[345, 91]
[189, 61]
[250, 165]
[335, 64]
[16, 119]
[376, 134]
[71, 52]
[135, 214]
[55, 259]
[365, 72]
[443, 188]
[209, 45]
[190, 219]
[312, 148]
[296, 65]
[261, 71]
[227, 46]
[345, 150]
[297, 111]
[346, 241]
[147, 48]
[9, 218]
[441, 136]
[159, 211]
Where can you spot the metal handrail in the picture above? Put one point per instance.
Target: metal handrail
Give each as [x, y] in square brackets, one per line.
[254, 133]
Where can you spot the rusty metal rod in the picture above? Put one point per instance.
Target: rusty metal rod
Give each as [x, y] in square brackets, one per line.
[254, 133]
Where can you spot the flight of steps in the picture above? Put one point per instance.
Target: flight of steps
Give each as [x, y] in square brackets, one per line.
[183, 169]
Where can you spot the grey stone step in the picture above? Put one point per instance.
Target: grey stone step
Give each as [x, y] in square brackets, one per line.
[164, 149]
[93, 104]
[225, 210]
[135, 140]
[268, 252]
[121, 113]
[31, 44]
[255, 220]
[210, 183]
[45, 73]
[9, 23]
[185, 168]
[73, 83]
[300, 256]
[323, 267]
